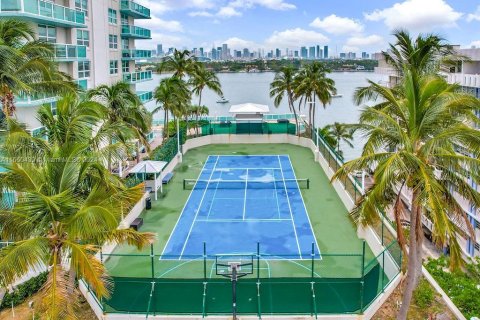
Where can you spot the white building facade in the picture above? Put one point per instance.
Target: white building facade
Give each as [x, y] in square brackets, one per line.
[467, 75]
[95, 43]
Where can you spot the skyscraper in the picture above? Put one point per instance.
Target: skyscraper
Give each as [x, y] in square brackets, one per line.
[201, 52]
[319, 55]
[246, 53]
[278, 53]
[364, 55]
[225, 51]
[295, 54]
[325, 52]
[159, 50]
[303, 53]
[311, 53]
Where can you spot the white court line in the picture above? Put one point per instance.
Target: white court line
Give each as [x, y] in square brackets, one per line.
[241, 220]
[276, 193]
[245, 198]
[306, 212]
[213, 198]
[290, 208]
[183, 209]
[198, 210]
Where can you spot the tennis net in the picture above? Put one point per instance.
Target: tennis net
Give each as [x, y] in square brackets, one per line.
[189, 184]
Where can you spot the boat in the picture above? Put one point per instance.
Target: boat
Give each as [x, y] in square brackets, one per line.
[222, 100]
[337, 96]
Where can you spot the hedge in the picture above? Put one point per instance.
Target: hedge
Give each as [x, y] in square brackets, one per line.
[168, 150]
[23, 291]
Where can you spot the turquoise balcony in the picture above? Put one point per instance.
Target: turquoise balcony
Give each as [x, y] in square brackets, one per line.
[70, 52]
[42, 12]
[136, 77]
[145, 96]
[136, 54]
[34, 100]
[135, 32]
[135, 10]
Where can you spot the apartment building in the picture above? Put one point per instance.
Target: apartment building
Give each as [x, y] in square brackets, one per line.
[94, 40]
[467, 75]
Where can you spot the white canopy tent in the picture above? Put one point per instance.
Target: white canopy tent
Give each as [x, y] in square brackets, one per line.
[151, 167]
[249, 111]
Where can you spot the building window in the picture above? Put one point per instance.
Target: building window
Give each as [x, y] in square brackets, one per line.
[83, 38]
[47, 33]
[112, 16]
[82, 5]
[124, 18]
[125, 44]
[84, 69]
[125, 66]
[113, 66]
[113, 41]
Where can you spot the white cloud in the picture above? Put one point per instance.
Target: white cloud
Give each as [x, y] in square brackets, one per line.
[337, 25]
[475, 44]
[295, 38]
[270, 4]
[417, 15]
[239, 44]
[160, 24]
[161, 6]
[474, 16]
[202, 13]
[227, 12]
[355, 43]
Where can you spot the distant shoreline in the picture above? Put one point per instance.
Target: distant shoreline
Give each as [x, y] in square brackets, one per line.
[271, 71]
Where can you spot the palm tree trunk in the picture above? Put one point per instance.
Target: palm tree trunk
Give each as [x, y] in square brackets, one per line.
[292, 107]
[412, 261]
[313, 112]
[138, 153]
[165, 117]
[419, 234]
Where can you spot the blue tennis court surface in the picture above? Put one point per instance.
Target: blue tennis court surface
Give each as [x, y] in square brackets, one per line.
[239, 201]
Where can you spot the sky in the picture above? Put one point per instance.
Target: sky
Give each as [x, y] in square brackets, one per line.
[343, 25]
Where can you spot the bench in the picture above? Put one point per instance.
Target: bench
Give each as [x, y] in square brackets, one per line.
[167, 178]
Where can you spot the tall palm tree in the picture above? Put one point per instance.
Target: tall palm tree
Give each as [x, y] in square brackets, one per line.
[312, 83]
[124, 111]
[424, 54]
[283, 85]
[68, 205]
[341, 133]
[181, 63]
[27, 66]
[173, 96]
[203, 78]
[412, 137]
[327, 135]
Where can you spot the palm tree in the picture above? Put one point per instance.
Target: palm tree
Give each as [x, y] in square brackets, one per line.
[124, 111]
[327, 135]
[198, 111]
[312, 83]
[27, 66]
[283, 85]
[182, 63]
[68, 205]
[173, 96]
[203, 78]
[412, 137]
[340, 132]
[425, 54]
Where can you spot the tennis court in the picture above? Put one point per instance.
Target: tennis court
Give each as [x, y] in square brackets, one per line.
[239, 201]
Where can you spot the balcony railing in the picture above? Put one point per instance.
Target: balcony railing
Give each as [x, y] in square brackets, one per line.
[34, 100]
[135, 77]
[464, 79]
[135, 32]
[145, 96]
[135, 10]
[136, 54]
[43, 12]
[70, 52]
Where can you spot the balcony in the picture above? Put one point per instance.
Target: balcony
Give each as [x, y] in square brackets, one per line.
[42, 12]
[136, 54]
[134, 10]
[70, 52]
[34, 100]
[464, 79]
[145, 96]
[136, 77]
[135, 32]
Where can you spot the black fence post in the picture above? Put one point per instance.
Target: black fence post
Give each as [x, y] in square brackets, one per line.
[362, 281]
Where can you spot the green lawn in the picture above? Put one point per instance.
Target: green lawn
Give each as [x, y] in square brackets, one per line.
[336, 234]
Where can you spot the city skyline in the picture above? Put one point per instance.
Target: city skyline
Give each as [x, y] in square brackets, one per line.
[270, 24]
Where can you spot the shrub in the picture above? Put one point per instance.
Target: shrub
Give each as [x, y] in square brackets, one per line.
[423, 295]
[23, 291]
